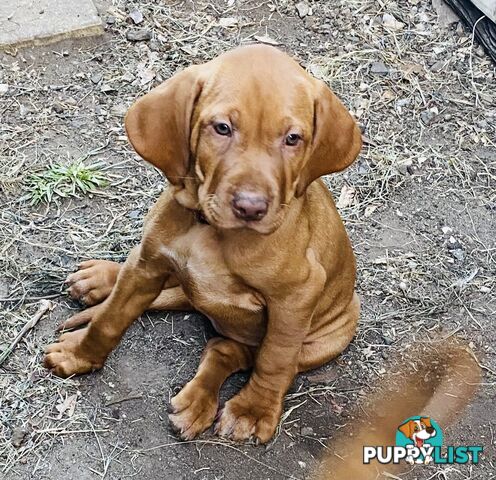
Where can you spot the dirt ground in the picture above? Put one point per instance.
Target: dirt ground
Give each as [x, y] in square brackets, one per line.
[419, 205]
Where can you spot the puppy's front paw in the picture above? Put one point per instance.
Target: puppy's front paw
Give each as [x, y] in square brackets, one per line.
[93, 281]
[193, 410]
[69, 357]
[248, 416]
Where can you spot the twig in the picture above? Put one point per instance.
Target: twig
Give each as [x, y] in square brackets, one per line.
[132, 396]
[45, 305]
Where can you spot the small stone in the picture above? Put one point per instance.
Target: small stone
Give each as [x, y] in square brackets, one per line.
[136, 16]
[363, 168]
[58, 108]
[438, 66]
[134, 214]
[4, 87]
[379, 68]
[459, 254]
[484, 289]
[110, 20]
[303, 9]
[389, 21]
[154, 46]
[96, 78]
[403, 102]
[227, 22]
[139, 35]
[446, 230]
[18, 437]
[107, 88]
[453, 243]
[118, 110]
[428, 116]
[307, 431]
[387, 340]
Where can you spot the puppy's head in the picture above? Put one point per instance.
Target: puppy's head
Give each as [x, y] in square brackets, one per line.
[418, 430]
[242, 135]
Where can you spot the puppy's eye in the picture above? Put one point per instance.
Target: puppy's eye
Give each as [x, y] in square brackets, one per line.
[222, 129]
[292, 139]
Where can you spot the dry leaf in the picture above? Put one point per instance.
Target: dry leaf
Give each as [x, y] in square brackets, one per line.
[67, 406]
[347, 196]
[318, 71]
[409, 68]
[390, 22]
[228, 22]
[370, 210]
[303, 9]
[136, 16]
[115, 12]
[266, 39]
[146, 76]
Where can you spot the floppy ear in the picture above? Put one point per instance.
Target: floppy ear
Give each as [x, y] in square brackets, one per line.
[337, 140]
[406, 428]
[158, 124]
[427, 421]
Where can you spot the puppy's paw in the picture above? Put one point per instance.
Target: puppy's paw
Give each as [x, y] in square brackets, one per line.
[93, 282]
[69, 357]
[245, 417]
[193, 410]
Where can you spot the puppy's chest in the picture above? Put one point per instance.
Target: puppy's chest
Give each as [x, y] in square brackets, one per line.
[206, 279]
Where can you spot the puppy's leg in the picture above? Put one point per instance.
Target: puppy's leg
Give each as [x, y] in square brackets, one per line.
[95, 279]
[323, 349]
[195, 406]
[139, 282]
[255, 411]
[172, 298]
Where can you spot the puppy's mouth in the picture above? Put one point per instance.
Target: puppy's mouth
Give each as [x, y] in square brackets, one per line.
[221, 217]
[419, 442]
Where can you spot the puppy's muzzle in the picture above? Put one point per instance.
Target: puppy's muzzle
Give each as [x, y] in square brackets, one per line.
[249, 206]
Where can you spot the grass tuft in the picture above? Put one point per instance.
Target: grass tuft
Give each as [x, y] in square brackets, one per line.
[64, 181]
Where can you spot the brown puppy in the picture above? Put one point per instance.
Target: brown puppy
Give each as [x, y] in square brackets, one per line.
[245, 234]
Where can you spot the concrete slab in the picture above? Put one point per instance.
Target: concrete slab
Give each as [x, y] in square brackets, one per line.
[38, 22]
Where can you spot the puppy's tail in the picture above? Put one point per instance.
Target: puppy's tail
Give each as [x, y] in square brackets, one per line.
[438, 382]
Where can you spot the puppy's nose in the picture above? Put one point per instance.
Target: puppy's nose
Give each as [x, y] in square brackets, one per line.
[249, 205]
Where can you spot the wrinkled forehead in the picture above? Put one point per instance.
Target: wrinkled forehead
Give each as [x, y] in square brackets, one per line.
[259, 84]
